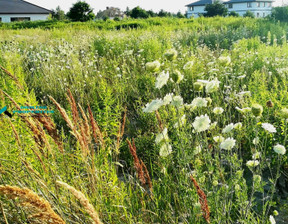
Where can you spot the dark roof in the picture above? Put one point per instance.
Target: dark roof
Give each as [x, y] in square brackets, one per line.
[243, 1]
[200, 2]
[20, 7]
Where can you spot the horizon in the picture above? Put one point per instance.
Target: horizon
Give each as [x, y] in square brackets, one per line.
[173, 7]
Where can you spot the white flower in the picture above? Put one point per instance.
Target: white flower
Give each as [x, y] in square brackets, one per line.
[218, 139]
[201, 123]
[252, 163]
[165, 150]
[154, 105]
[162, 136]
[228, 128]
[228, 143]
[272, 220]
[218, 110]
[269, 127]
[153, 66]
[162, 80]
[256, 141]
[238, 126]
[212, 86]
[224, 60]
[197, 150]
[199, 102]
[243, 110]
[279, 149]
[188, 66]
[177, 101]
[167, 99]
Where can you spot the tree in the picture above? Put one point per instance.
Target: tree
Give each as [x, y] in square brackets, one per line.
[180, 15]
[81, 11]
[151, 13]
[249, 14]
[215, 9]
[163, 13]
[138, 12]
[234, 14]
[58, 14]
[280, 13]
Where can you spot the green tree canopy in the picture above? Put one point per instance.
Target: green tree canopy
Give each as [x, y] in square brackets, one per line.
[215, 9]
[249, 14]
[138, 12]
[58, 14]
[81, 11]
[280, 13]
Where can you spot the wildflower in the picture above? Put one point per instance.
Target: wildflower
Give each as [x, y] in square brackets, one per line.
[181, 122]
[165, 150]
[171, 54]
[167, 99]
[177, 76]
[237, 187]
[177, 101]
[256, 155]
[188, 66]
[257, 178]
[201, 123]
[218, 110]
[162, 80]
[197, 150]
[224, 60]
[213, 125]
[212, 86]
[198, 86]
[269, 127]
[257, 110]
[252, 163]
[255, 141]
[279, 149]
[244, 110]
[199, 102]
[218, 139]
[162, 136]
[154, 105]
[272, 220]
[284, 113]
[269, 103]
[209, 101]
[238, 126]
[244, 93]
[228, 143]
[228, 128]
[215, 183]
[153, 66]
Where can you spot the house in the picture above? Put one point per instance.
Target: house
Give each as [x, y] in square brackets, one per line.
[18, 10]
[260, 8]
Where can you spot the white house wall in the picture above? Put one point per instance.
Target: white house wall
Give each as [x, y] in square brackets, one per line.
[6, 18]
[197, 10]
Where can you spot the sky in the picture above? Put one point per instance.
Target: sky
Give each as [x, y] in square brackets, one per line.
[155, 5]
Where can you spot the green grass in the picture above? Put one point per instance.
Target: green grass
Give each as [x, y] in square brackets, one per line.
[104, 66]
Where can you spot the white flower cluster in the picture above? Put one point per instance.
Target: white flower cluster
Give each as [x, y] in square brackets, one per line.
[162, 139]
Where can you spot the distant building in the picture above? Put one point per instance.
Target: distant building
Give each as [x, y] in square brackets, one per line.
[18, 10]
[111, 13]
[260, 8]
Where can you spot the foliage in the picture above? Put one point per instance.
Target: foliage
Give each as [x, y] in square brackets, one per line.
[280, 13]
[233, 13]
[81, 11]
[138, 12]
[58, 14]
[215, 9]
[249, 14]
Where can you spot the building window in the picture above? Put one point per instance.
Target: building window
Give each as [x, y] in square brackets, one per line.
[249, 5]
[230, 6]
[0, 19]
[264, 4]
[263, 14]
[269, 4]
[20, 19]
[258, 4]
[258, 14]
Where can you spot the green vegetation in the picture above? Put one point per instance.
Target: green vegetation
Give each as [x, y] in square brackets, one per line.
[161, 120]
[215, 9]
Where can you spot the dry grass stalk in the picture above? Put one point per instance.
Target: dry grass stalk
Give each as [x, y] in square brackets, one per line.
[203, 200]
[3, 213]
[15, 133]
[83, 200]
[85, 124]
[159, 120]
[142, 172]
[49, 125]
[29, 200]
[11, 76]
[75, 114]
[97, 134]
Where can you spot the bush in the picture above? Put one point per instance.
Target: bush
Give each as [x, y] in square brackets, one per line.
[215, 9]
[280, 13]
[233, 13]
[249, 14]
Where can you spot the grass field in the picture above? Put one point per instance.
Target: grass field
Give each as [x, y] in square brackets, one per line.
[152, 121]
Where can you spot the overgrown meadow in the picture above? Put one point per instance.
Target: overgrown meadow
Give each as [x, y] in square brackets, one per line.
[155, 121]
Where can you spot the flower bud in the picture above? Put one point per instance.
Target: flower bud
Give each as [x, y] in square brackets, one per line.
[215, 183]
[152, 66]
[269, 103]
[257, 110]
[177, 76]
[171, 54]
[275, 212]
[198, 86]
[209, 101]
[284, 113]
